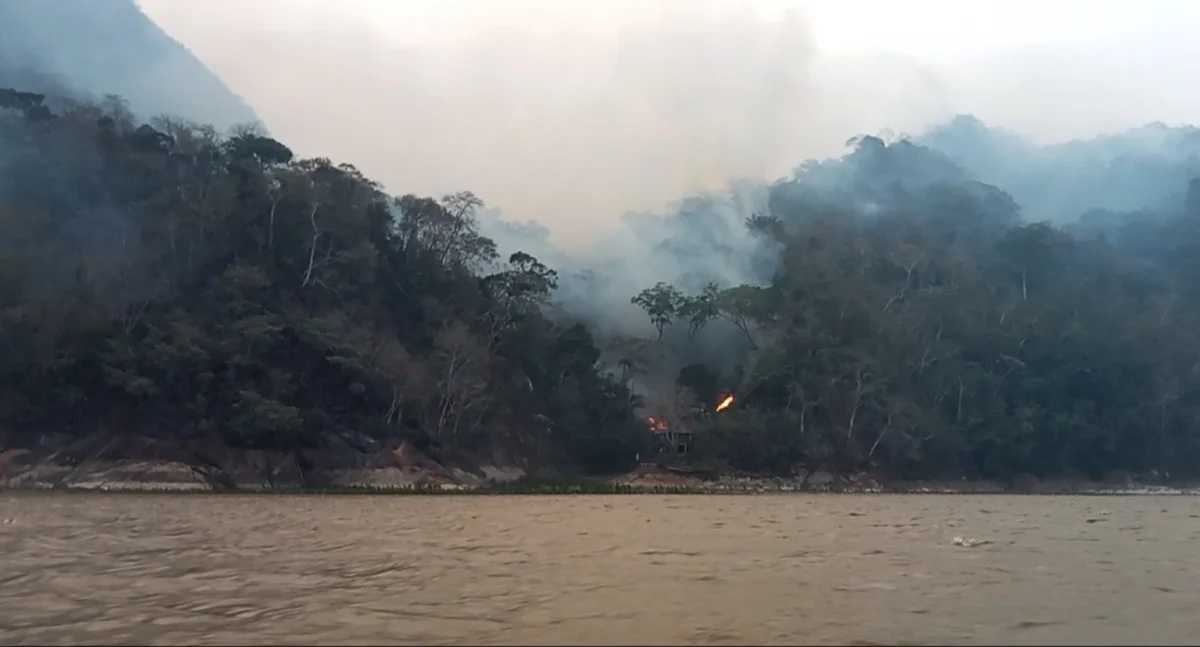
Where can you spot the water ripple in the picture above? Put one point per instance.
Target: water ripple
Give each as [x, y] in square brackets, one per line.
[597, 570]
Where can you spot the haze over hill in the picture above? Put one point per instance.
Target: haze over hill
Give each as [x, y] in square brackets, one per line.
[571, 114]
[92, 48]
[895, 308]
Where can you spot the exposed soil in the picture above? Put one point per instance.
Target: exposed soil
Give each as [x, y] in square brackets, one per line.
[123, 463]
[144, 464]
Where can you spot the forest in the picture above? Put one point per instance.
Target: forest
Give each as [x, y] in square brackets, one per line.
[160, 279]
[168, 280]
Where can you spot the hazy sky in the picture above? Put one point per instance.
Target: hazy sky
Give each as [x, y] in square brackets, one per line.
[571, 112]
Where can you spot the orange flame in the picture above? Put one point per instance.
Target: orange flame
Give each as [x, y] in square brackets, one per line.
[725, 402]
[657, 424]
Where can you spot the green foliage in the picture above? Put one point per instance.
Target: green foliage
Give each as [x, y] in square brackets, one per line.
[662, 303]
[699, 310]
[164, 280]
[938, 337]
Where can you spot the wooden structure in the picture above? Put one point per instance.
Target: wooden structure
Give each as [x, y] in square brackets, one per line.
[672, 441]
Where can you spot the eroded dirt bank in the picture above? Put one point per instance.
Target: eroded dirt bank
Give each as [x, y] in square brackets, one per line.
[142, 465]
[652, 478]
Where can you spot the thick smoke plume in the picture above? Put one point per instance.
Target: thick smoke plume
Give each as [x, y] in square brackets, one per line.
[588, 126]
[568, 114]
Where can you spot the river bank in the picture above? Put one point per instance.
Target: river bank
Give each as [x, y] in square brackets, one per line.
[177, 478]
[145, 465]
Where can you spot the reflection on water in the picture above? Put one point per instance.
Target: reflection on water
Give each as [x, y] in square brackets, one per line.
[591, 569]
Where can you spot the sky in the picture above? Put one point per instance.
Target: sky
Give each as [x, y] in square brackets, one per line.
[573, 112]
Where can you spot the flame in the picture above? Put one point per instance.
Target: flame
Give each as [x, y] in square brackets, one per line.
[725, 402]
[657, 424]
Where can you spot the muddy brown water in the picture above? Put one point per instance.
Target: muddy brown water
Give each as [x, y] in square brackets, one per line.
[798, 569]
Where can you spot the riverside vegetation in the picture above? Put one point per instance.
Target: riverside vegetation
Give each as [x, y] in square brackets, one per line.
[166, 283]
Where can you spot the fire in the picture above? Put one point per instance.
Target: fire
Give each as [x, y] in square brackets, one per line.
[657, 424]
[725, 402]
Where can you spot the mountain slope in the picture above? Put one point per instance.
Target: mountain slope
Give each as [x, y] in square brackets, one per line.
[1140, 168]
[99, 47]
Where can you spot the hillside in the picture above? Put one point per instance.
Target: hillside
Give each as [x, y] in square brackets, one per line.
[1145, 167]
[170, 294]
[917, 325]
[92, 48]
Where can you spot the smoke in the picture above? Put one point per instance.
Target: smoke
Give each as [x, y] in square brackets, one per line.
[1147, 167]
[569, 114]
[87, 49]
[587, 125]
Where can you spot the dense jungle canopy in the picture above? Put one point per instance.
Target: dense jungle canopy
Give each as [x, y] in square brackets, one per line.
[164, 279]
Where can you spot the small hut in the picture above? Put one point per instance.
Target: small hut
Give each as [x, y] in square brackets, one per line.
[671, 440]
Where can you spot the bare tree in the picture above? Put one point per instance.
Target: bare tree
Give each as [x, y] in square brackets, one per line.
[462, 388]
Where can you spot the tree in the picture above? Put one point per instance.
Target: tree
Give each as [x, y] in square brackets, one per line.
[700, 310]
[164, 280]
[463, 393]
[217, 287]
[745, 306]
[661, 303]
[517, 290]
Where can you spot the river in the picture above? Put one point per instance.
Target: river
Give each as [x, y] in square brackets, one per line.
[767, 569]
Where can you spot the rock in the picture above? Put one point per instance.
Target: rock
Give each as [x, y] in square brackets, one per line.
[111, 475]
[819, 480]
[864, 482]
[137, 475]
[45, 474]
[497, 474]
[340, 453]
[260, 470]
[968, 542]
[15, 461]
[1026, 483]
[113, 461]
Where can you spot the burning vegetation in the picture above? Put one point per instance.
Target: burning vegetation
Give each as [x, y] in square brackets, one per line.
[675, 439]
[725, 403]
[899, 313]
[660, 423]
